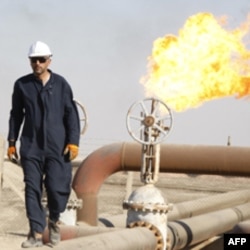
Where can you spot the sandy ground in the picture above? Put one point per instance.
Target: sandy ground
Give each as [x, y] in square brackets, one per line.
[175, 188]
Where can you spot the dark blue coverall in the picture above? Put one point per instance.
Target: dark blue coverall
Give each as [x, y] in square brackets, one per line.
[50, 121]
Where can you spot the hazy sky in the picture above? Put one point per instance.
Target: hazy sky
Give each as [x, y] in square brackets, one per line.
[101, 48]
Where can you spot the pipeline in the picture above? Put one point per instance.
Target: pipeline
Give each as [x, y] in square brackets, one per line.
[188, 232]
[188, 209]
[198, 159]
[139, 238]
[181, 233]
[241, 228]
[193, 208]
[81, 230]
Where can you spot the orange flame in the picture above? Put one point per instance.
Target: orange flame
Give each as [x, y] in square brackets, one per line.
[205, 62]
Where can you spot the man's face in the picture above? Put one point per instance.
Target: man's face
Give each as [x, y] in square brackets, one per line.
[39, 64]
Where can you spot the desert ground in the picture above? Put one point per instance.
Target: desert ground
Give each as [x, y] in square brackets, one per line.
[174, 187]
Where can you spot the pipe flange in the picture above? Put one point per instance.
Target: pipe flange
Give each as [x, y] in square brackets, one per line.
[147, 207]
[151, 227]
[72, 203]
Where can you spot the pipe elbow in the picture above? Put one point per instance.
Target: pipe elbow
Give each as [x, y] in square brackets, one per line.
[96, 168]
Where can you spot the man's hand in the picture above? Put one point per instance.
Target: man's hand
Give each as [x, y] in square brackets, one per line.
[12, 154]
[72, 150]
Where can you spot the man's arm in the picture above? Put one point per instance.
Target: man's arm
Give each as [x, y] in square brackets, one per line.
[15, 121]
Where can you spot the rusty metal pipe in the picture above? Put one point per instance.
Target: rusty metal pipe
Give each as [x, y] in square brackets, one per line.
[90, 176]
[195, 159]
[187, 232]
[199, 159]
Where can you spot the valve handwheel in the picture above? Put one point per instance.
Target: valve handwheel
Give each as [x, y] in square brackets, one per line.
[149, 121]
[83, 118]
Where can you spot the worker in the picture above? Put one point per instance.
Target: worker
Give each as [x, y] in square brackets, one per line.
[43, 105]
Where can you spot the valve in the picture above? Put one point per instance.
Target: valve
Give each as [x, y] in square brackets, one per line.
[83, 119]
[149, 122]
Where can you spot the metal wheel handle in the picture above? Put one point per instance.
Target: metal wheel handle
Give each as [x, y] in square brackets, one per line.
[149, 121]
[83, 118]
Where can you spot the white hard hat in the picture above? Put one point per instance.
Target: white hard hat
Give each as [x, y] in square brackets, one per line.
[39, 49]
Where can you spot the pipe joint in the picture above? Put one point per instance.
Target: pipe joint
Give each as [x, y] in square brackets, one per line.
[147, 207]
[151, 227]
[73, 204]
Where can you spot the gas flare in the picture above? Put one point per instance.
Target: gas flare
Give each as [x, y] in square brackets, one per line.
[205, 62]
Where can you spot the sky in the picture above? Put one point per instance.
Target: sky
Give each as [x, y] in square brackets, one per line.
[101, 48]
